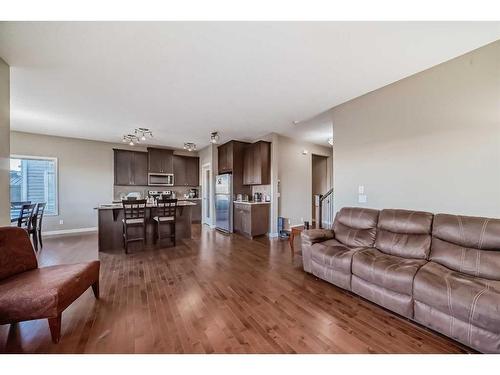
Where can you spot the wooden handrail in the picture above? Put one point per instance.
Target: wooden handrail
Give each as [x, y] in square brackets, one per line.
[319, 212]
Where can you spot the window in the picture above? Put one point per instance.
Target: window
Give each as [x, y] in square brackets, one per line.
[33, 179]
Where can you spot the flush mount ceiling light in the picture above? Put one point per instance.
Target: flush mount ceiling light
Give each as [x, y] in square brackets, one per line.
[131, 139]
[330, 141]
[143, 133]
[189, 146]
[214, 137]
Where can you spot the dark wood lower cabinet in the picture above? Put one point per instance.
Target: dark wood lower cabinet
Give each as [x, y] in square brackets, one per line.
[196, 210]
[251, 220]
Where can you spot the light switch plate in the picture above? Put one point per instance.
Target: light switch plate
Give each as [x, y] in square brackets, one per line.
[361, 198]
[361, 189]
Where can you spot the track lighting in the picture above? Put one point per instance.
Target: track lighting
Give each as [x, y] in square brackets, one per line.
[132, 139]
[143, 132]
[214, 137]
[190, 146]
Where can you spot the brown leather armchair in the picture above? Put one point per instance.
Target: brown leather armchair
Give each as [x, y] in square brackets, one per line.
[28, 292]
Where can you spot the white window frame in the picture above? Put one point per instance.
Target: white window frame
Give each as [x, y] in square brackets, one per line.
[56, 175]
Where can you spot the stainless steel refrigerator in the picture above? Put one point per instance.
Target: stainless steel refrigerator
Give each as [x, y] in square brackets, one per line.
[224, 202]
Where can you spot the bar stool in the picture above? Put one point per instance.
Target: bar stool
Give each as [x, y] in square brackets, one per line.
[165, 214]
[134, 216]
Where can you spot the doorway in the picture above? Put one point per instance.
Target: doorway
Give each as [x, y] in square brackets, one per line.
[206, 191]
[319, 183]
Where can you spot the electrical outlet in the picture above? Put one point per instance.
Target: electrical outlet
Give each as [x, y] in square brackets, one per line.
[361, 198]
[61, 222]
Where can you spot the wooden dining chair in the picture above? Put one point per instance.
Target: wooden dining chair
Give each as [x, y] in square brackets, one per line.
[36, 225]
[15, 210]
[134, 215]
[25, 220]
[165, 214]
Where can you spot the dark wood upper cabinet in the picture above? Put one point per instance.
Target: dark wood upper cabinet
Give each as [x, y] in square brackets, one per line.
[160, 160]
[193, 171]
[225, 157]
[257, 164]
[186, 170]
[130, 167]
[140, 168]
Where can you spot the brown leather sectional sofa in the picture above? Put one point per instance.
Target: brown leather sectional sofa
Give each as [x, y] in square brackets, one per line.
[441, 270]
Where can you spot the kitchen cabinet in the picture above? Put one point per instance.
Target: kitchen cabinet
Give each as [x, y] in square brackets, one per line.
[186, 170]
[196, 211]
[225, 157]
[230, 160]
[251, 220]
[257, 164]
[160, 160]
[130, 167]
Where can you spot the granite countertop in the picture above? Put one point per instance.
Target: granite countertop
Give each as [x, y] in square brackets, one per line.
[114, 206]
[251, 202]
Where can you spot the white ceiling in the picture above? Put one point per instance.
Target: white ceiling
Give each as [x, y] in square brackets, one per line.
[99, 80]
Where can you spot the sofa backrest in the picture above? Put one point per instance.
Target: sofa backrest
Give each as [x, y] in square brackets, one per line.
[404, 233]
[467, 244]
[16, 252]
[355, 226]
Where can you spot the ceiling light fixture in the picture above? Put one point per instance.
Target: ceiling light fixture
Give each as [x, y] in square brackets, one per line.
[131, 139]
[214, 137]
[190, 146]
[143, 132]
[330, 141]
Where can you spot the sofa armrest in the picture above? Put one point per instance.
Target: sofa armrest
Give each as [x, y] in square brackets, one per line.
[317, 235]
[310, 237]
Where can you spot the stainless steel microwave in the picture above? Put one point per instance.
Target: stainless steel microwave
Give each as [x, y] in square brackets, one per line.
[160, 179]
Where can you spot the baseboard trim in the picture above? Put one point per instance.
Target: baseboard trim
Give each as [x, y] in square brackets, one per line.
[69, 231]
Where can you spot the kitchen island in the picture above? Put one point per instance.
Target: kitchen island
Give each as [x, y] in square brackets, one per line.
[110, 227]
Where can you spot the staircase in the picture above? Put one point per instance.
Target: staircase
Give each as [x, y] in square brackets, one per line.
[324, 210]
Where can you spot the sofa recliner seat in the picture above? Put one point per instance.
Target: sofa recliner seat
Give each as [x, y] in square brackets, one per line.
[384, 274]
[458, 292]
[331, 260]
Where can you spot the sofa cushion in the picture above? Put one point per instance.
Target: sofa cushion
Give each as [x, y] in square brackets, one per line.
[333, 255]
[388, 271]
[44, 292]
[404, 233]
[471, 299]
[16, 252]
[356, 227]
[466, 244]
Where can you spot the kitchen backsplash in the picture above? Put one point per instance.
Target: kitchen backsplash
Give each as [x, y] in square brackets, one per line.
[264, 189]
[118, 191]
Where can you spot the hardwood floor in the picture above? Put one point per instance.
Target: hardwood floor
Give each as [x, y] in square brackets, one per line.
[215, 294]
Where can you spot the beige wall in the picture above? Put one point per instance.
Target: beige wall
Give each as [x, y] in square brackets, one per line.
[4, 142]
[428, 142]
[295, 176]
[85, 175]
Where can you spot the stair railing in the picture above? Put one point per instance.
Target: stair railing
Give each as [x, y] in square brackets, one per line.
[325, 213]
